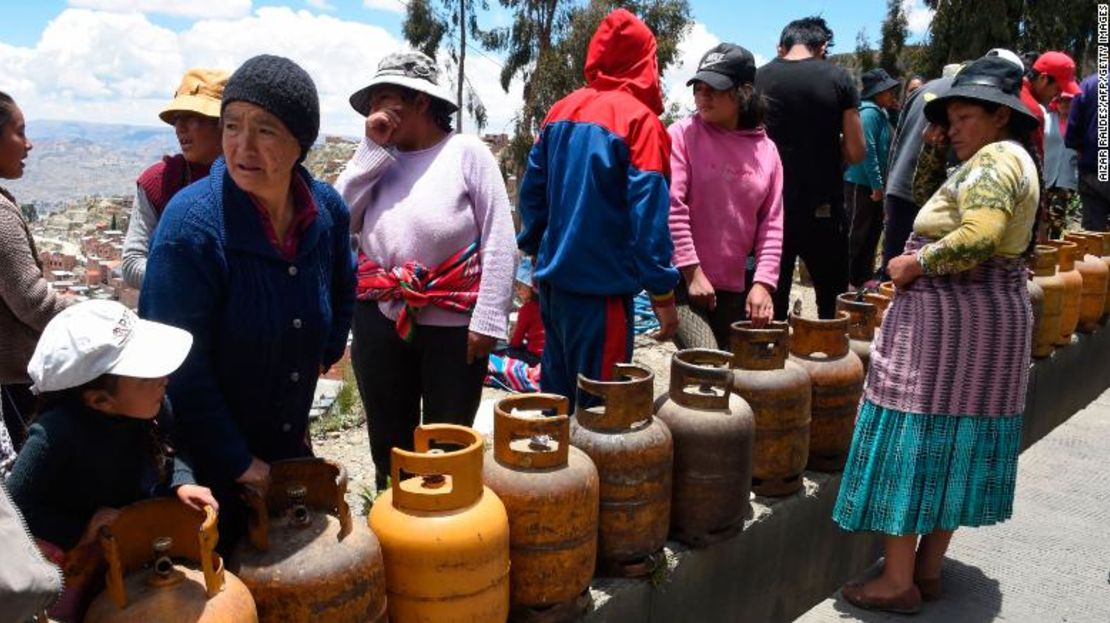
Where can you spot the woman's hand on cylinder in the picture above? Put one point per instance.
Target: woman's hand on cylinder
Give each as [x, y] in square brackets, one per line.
[256, 476]
[760, 306]
[197, 497]
[698, 289]
[904, 269]
[478, 346]
[380, 126]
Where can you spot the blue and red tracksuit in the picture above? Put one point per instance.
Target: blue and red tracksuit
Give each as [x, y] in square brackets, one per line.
[594, 206]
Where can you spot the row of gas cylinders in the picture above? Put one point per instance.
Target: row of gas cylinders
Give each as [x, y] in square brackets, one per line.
[517, 530]
[1068, 289]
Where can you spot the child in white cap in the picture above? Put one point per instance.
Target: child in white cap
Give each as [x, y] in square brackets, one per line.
[98, 442]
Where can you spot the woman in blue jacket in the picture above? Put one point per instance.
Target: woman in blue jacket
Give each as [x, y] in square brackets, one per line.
[255, 261]
[864, 181]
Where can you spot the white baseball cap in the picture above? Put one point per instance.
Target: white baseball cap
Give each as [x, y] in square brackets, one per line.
[94, 338]
[1008, 55]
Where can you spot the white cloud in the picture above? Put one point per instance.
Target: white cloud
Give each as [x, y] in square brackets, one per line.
[121, 68]
[180, 8]
[322, 5]
[393, 6]
[918, 16]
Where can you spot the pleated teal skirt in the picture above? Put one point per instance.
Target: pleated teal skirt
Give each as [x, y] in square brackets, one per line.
[910, 473]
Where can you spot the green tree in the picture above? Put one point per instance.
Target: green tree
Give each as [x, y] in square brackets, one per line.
[865, 56]
[546, 48]
[895, 29]
[1067, 25]
[966, 29]
[425, 28]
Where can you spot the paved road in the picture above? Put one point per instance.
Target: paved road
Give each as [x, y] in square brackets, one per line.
[1051, 561]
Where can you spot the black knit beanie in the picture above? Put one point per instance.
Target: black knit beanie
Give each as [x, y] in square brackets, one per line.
[286, 91]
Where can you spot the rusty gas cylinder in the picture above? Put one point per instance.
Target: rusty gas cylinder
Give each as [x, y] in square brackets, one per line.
[881, 303]
[1052, 305]
[887, 289]
[1073, 289]
[145, 548]
[713, 431]
[634, 455]
[550, 491]
[444, 536]
[779, 393]
[305, 560]
[836, 375]
[1095, 274]
[1036, 304]
[861, 323]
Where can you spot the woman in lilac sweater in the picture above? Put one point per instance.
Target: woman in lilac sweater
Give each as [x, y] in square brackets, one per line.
[436, 256]
[726, 202]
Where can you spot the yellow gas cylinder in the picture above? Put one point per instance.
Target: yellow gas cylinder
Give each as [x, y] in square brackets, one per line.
[305, 559]
[1073, 289]
[550, 490]
[444, 536]
[145, 582]
[1096, 277]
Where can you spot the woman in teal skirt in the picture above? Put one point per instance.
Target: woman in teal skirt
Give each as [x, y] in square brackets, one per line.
[939, 429]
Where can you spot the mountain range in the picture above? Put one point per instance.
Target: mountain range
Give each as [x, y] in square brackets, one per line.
[73, 159]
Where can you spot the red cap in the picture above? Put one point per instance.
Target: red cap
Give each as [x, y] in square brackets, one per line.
[1061, 68]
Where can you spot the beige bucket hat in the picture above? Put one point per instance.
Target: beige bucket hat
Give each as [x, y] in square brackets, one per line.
[200, 92]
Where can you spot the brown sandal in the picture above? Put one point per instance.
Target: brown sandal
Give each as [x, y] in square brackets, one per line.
[908, 602]
[930, 588]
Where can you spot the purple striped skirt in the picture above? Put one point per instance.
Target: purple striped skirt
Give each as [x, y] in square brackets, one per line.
[956, 344]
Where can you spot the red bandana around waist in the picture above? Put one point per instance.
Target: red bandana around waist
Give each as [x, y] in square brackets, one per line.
[453, 285]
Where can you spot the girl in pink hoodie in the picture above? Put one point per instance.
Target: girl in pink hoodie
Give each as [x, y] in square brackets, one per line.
[726, 202]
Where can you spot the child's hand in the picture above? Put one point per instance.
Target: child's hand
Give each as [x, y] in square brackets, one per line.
[196, 496]
[103, 516]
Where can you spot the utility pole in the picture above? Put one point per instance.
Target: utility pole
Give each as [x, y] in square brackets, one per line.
[462, 63]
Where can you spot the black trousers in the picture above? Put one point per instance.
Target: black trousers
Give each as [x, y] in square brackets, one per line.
[1095, 196]
[866, 225]
[897, 227]
[822, 243]
[19, 408]
[396, 377]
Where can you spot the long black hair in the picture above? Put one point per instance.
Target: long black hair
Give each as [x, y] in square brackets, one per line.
[752, 106]
[1022, 133]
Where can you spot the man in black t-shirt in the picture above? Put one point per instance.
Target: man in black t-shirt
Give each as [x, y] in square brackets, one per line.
[813, 118]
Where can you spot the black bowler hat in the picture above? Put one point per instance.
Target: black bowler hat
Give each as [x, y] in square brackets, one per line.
[876, 81]
[725, 67]
[989, 79]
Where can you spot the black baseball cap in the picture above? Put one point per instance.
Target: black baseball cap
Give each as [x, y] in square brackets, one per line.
[724, 67]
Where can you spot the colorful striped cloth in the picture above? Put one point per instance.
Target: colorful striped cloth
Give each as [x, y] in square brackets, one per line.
[453, 285]
[956, 344]
[510, 374]
[910, 473]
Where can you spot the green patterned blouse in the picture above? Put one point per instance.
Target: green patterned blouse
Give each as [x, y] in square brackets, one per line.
[985, 208]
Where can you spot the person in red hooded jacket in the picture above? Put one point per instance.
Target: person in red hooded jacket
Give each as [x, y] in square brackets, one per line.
[594, 206]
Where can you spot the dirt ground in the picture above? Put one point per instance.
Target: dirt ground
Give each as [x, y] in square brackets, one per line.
[351, 447]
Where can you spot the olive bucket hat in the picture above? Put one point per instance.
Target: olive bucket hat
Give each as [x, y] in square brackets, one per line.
[990, 79]
[412, 70]
[199, 93]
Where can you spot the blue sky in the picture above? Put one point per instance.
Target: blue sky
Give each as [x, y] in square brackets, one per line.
[114, 60]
